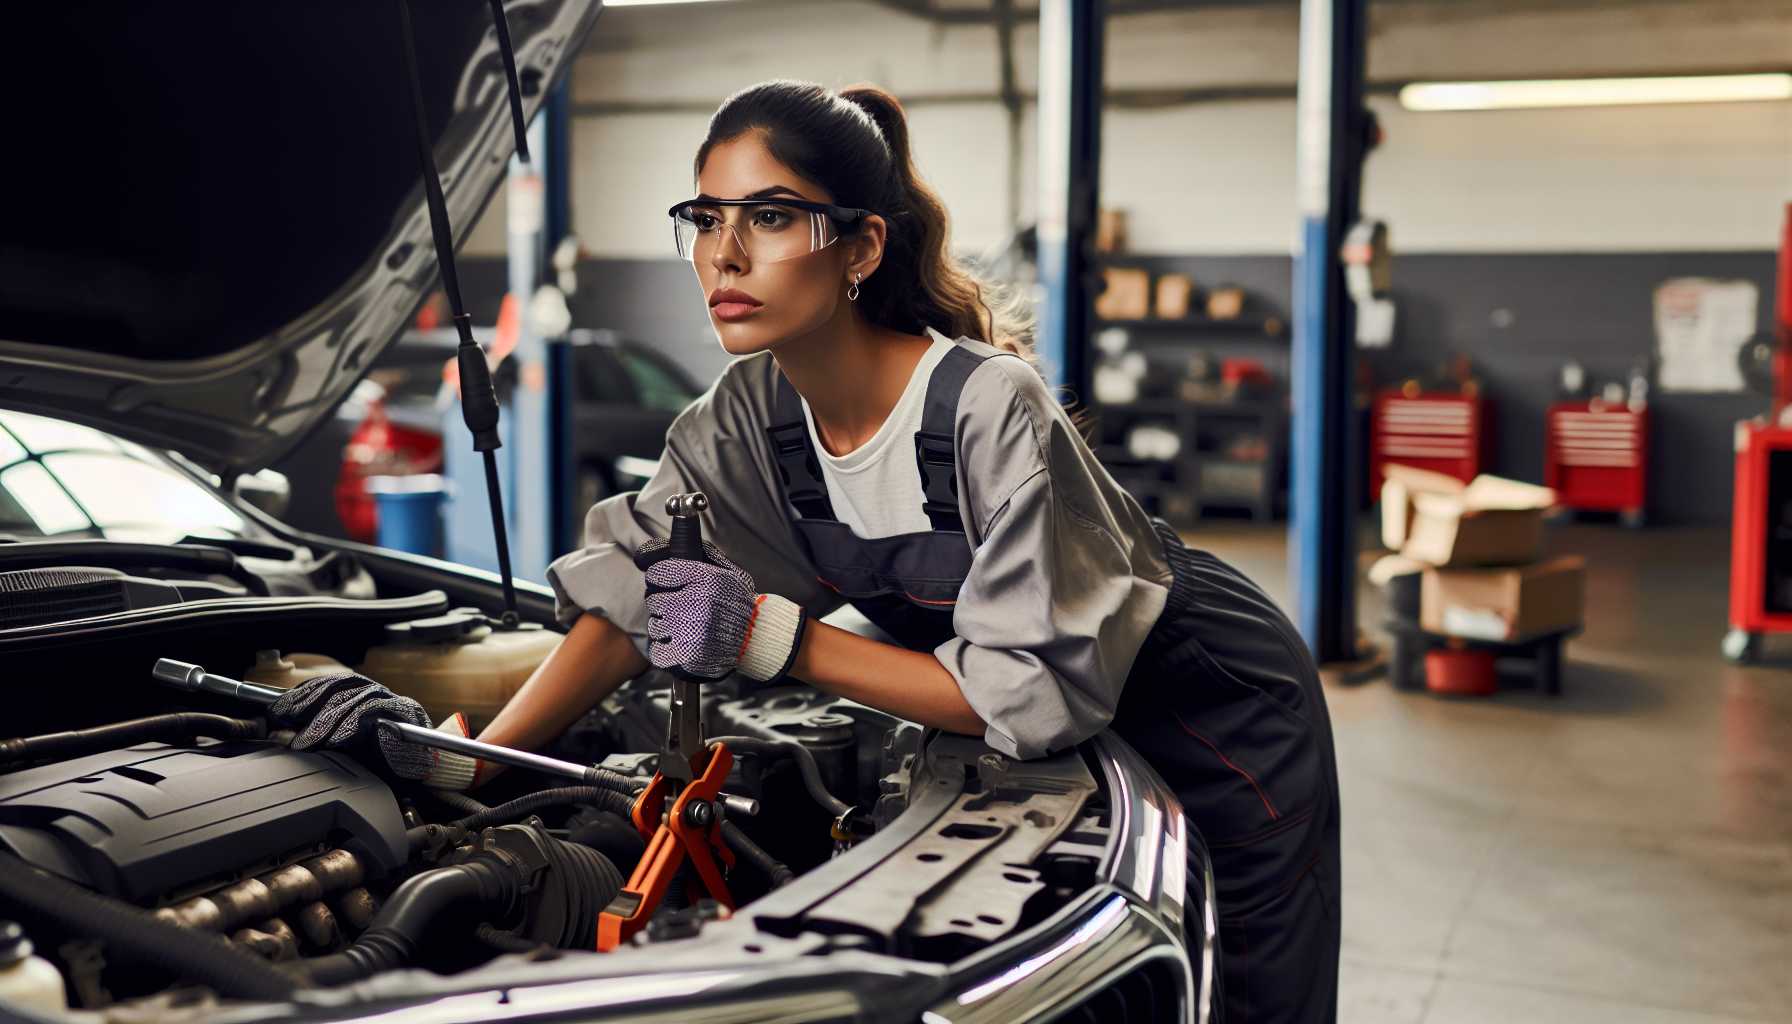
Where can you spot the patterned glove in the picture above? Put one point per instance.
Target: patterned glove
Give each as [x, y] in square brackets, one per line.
[706, 619]
[342, 711]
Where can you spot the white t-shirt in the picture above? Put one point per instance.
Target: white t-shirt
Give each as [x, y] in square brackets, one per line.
[876, 487]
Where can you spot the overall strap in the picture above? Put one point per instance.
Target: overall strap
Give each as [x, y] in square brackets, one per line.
[794, 453]
[936, 454]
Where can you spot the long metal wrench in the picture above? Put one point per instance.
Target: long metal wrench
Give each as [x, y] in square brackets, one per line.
[536, 762]
[194, 679]
[183, 675]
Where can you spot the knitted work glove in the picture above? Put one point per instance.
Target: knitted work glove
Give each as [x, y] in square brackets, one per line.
[342, 711]
[706, 619]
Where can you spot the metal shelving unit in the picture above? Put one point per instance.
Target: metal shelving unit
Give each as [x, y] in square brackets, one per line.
[1202, 475]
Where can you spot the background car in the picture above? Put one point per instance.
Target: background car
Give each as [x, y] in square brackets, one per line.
[623, 396]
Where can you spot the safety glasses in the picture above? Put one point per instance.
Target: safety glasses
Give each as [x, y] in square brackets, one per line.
[766, 230]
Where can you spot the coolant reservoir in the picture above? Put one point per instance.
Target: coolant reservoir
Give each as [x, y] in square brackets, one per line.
[286, 671]
[456, 662]
[27, 981]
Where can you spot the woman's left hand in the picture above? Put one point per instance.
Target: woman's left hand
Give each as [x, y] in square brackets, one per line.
[705, 619]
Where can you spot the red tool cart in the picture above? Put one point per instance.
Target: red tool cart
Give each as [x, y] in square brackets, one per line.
[1761, 518]
[1596, 457]
[1443, 432]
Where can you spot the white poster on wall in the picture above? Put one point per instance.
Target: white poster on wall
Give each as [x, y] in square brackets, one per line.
[1700, 327]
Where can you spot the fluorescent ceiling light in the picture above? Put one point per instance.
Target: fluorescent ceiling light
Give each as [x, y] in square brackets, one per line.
[1594, 92]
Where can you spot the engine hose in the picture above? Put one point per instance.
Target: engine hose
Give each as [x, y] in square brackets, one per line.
[612, 835]
[208, 959]
[391, 940]
[562, 911]
[506, 942]
[805, 762]
[183, 725]
[583, 882]
[503, 814]
[459, 803]
[774, 869]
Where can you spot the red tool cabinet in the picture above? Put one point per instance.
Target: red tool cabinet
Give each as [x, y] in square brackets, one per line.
[1443, 432]
[1760, 539]
[1596, 456]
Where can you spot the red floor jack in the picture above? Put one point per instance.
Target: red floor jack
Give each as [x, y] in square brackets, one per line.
[1761, 523]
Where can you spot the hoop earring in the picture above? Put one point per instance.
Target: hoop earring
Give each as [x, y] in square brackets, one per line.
[852, 293]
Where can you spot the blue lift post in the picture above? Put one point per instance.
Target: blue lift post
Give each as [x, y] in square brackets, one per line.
[1069, 115]
[531, 463]
[538, 214]
[1332, 140]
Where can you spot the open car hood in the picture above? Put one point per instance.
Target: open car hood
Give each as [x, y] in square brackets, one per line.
[214, 212]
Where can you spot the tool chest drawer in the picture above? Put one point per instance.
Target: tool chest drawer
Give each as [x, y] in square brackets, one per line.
[1596, 456]
[1442, 432]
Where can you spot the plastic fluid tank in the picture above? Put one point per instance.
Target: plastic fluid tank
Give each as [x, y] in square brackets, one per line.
[458, 662]
[27, 982]
[286, 671]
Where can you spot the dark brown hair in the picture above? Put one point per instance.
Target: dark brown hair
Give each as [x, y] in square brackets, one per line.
[854, 143]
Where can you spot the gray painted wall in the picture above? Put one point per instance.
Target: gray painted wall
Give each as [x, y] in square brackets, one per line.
[1597, 308]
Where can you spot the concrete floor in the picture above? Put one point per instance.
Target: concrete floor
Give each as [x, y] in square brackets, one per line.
[1620, 853]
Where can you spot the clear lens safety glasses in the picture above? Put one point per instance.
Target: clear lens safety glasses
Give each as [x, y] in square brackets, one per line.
[765, 230]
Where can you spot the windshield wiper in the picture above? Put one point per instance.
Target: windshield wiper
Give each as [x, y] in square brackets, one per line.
[119, 554]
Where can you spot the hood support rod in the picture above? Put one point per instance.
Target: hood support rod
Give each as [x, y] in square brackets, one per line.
[478, 396]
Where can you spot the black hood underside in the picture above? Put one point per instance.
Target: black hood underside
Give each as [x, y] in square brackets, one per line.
[214, 216]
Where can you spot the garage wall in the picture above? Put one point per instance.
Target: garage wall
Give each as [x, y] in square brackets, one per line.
[1620, 196]
[1636, 179]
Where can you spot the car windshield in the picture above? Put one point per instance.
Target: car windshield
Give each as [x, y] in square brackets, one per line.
[60, 479]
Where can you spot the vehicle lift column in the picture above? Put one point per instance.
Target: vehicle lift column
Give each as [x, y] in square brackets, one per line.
[1069, 115]
[1332, 139]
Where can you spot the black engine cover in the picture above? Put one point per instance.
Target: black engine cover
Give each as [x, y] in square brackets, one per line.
[140, 822]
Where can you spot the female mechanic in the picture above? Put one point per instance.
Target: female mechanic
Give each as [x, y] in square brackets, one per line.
[884, 440]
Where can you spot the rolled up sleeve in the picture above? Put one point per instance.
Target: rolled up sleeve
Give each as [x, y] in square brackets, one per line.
[1066, 579]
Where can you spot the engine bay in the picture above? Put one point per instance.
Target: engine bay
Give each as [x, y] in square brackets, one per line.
[314, 870]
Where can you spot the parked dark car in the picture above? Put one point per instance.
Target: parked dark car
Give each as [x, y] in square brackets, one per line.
[623, 396]
[216, 249]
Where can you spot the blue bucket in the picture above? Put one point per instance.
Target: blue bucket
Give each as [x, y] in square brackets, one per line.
[410, 512]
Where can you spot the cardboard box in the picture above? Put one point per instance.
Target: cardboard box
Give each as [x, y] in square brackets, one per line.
[1173, 294]
[1126, 294]
[1110, 230]
[1441, 521]
[1225, 303]
[1504, 604]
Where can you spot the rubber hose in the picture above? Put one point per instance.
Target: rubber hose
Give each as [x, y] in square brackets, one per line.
[423, 837]
[612, 835]
[459, 803]
[182, 725]
[503, 814]
[211, 960]
[774, 869]
[506, 942]
[627, 785]
[391, 940]
[805, 762]
[589, 881]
